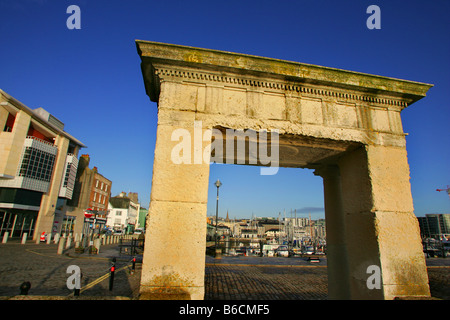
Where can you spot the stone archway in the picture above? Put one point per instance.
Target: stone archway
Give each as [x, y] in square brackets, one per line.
[344, 125]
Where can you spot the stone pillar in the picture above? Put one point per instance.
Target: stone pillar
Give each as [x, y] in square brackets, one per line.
[380, 224]
[337, 264]
[174, 261]
[46, 213]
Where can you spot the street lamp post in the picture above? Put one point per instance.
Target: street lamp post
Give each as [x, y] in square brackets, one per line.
[217, 184]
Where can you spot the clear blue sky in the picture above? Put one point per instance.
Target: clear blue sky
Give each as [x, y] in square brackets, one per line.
[91, 80]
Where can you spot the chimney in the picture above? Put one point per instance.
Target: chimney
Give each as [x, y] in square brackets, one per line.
[133, 196]
[83, 163]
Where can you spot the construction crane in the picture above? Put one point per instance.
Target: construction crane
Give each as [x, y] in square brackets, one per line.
[447, 189]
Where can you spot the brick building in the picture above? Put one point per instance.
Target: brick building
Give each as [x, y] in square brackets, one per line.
[92, 192]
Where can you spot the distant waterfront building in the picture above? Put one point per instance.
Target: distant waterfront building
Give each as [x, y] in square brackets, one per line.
[38, 164]
[320, 229]
[272, 234]
[297, 222]
[435, 225]
[123, 212]
[92, 191]
[269, 228]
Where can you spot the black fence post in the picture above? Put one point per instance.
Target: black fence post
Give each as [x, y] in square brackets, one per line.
[25, 287]
[111, 276]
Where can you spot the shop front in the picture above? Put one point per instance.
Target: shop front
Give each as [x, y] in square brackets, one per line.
[17, 222]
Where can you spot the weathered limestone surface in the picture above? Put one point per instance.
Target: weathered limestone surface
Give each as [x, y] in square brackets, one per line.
[176, 230]
[380, 226]
[345, 125]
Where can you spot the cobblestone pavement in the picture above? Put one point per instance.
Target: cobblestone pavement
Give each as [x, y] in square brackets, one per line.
[229, 278]
[265, 283]
[47, 271]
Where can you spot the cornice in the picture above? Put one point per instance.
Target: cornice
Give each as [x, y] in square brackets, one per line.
[193, 76]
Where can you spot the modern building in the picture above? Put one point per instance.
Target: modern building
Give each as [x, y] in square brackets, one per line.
[297, 222]
[435, 225]
[91, 193]
[123, 211]
[38, 164]
[319, 229]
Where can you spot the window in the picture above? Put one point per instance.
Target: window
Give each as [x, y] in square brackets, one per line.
[66, 177]
[37, 164]
[95, 196]
[9, 123]
[96, 184]
[118, 213]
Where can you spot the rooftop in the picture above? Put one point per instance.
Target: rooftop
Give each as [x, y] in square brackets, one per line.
[40, 115]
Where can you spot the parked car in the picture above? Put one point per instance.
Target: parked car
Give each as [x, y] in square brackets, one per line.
[241, 251]
[309, 250]
[282, 251]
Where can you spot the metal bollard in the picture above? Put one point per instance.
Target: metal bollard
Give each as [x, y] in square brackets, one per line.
[111, 276]
[76, 291]
[25, 287]
[133, 265]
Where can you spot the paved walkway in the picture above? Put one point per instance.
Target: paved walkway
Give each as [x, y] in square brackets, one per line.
[229, 278]
[47, 271]
[265, 283]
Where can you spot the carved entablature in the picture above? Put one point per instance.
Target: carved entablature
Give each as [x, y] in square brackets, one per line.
[235, 90]
[286, 87]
